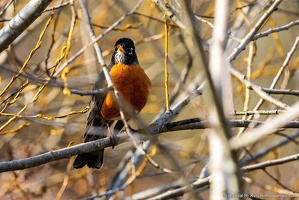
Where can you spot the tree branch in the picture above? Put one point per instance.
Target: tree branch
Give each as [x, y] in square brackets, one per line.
[21, 21]
[58, 154]
[188, 124]
[269, 163]
[268, 128]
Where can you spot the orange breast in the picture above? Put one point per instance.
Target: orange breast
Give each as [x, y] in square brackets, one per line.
[134, 88]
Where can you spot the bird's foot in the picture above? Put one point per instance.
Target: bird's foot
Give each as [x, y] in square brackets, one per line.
[112, 137]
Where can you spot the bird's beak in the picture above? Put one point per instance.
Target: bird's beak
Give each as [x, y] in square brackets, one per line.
[121, 49]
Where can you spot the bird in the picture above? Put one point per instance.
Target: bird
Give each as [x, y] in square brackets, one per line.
[133, 85]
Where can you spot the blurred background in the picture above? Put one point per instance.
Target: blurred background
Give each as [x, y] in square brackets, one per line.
[32, 126]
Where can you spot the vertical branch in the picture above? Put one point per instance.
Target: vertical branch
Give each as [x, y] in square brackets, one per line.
[166, 63]
[71, 32]
[68, 47]
[96, 45]
[249, 67]
[248, 75]
[65, 180]
[223, 163]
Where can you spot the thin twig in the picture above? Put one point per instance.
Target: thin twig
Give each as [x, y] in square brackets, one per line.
[170, 13]
[60, 6]
[269, 163]
[264, 151]
[281, 91]
[285, 63]
[266, 129]
[166, 73]
[259, 112]
[36, 95]
[253, 31]
[5, 8]
[172, 191]
[273, 84]
[274, 30]
[250, 59]
[263, 95]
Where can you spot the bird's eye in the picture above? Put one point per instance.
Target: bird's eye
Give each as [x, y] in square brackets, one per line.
[130, 51]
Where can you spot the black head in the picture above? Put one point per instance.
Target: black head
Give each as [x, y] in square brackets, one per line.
[124, 52]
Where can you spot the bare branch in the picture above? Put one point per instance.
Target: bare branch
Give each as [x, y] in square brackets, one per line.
[274, 30]
[170, 13]
[269, 163]
[268, 128]
[58, 154]
[253, 31]
[281, 91]
[257, 89]
[266, 150]
[21, 21]
[259, 112]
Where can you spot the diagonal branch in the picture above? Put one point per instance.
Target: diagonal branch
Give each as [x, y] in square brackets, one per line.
[21, 21]
[253, 31]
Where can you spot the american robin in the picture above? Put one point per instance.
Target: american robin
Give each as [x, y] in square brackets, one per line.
[134, 87]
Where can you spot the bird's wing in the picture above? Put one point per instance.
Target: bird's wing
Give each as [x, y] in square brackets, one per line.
[94, 120]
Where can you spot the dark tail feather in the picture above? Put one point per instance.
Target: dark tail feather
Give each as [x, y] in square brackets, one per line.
[92, 159]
